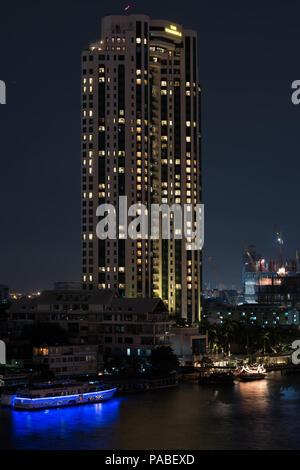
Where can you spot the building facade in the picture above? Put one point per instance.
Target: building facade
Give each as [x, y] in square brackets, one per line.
[68, 360]
[134, 327]
[99, 319]
[281, 289]
[189, 345]
[141, 139]
[250, 274]
[262, 314]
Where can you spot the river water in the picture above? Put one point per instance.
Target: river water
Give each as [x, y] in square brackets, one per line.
[255, 415]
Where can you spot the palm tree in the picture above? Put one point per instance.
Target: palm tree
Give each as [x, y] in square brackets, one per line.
[266, 338]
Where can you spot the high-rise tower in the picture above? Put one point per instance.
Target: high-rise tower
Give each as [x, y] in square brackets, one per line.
[141, 138]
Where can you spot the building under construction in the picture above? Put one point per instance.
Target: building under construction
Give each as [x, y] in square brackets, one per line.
[270, 297]
[270, 281]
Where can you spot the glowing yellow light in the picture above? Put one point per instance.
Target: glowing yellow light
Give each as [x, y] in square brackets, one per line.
[281, 271]
[173, 30]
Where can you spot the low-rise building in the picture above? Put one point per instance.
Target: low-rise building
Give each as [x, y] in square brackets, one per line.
[258, 313]
[115, 325]
[134, 326]
[67, 285]
[78, 312]
[189, 345]
[68, 360]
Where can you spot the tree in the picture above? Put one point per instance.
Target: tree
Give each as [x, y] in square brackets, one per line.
[203, 326]
[265, 337]
[163, 360]
[213, 337]
[206, 362]
[183, 323]
[128, 366]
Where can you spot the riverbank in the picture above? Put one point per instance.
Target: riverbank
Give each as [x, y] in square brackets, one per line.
[141, 384]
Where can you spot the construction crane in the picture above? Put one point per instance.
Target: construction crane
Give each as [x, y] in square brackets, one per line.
[252, 261]
[230, 302]
[256, 266]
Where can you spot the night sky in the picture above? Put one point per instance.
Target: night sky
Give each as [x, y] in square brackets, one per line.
[249, 56]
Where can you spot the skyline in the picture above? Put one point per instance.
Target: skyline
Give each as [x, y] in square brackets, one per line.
[241, 107]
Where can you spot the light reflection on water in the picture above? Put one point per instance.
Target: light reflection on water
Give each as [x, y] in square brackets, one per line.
[61, 427]
[253, 415]
[254, 391]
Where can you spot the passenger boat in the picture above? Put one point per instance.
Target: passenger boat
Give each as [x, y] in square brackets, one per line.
[53, 395]
[248, 374]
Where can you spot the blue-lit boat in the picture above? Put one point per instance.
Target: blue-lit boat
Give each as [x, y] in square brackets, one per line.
[57, 395]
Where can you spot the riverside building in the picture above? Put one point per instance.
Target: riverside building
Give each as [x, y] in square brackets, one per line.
[141, 138]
